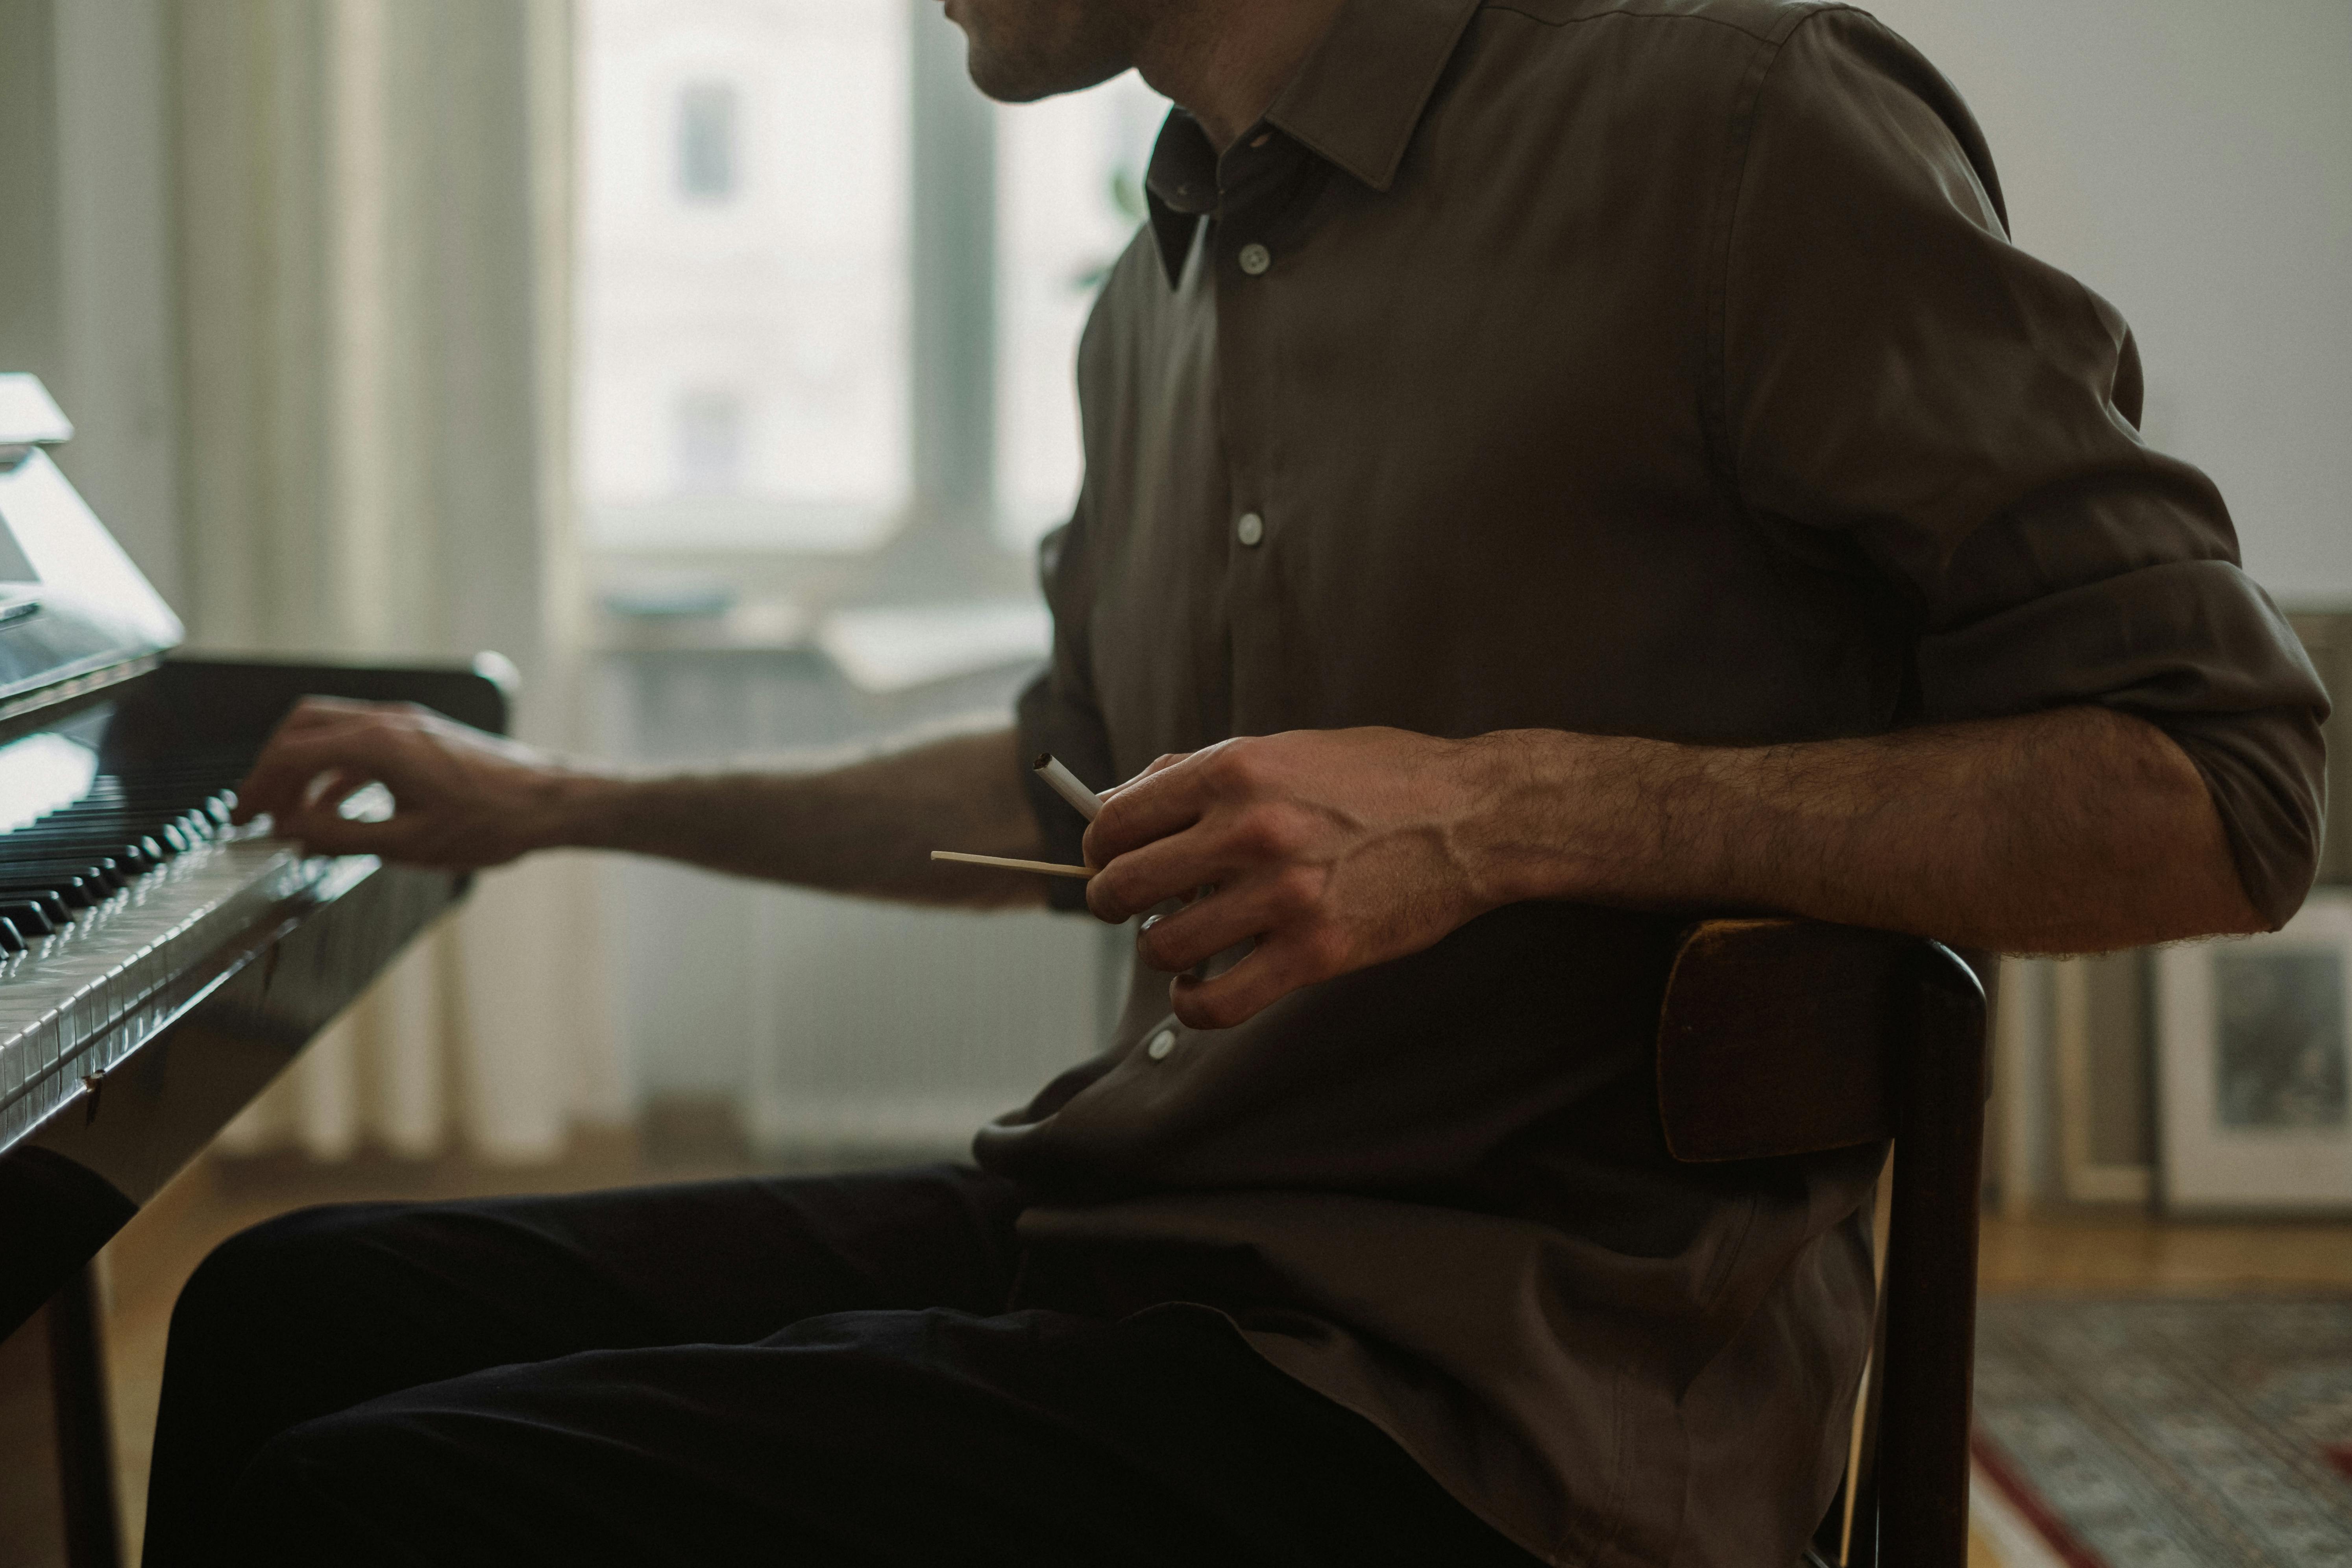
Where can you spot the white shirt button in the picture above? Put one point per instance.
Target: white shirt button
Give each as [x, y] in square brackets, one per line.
[1250, 528]
[1161, 1044]
[1254, 259]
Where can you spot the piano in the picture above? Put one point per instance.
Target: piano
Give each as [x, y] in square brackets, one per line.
[158, 967]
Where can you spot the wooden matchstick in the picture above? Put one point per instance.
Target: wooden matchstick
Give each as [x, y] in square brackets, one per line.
[1064, 782]
[1043, 867]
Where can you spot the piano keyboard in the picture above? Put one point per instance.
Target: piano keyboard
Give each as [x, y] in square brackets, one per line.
[118, 910]
[157, 968]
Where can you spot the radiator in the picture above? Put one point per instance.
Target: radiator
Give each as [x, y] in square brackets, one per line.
[878, 1026]
[843, 1025]
[831, 1026]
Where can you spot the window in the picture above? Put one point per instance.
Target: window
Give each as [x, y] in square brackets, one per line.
[706, 141]
[829, 300]
[743, 251]
[817, 298]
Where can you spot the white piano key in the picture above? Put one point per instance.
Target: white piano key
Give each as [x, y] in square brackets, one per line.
[80, 1000]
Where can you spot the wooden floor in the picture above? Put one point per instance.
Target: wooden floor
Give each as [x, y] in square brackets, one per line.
[144, 1267]
[2135, 1255]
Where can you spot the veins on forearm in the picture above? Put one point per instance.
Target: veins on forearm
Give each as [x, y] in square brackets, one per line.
[867, 827]
[2074, 830]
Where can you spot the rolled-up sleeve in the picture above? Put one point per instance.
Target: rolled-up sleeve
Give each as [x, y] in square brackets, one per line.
[1056, 712]
[1896, 374]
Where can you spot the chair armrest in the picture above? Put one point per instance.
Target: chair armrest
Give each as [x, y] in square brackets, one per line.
[1775, 1035]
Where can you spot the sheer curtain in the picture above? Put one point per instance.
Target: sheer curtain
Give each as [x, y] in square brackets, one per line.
[374, 207]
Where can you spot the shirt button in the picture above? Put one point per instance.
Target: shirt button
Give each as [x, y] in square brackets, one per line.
[1256, 259]
[1161, 1044]
[1250, 528]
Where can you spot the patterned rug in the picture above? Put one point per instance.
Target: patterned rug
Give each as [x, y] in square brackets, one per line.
[2173, 1432]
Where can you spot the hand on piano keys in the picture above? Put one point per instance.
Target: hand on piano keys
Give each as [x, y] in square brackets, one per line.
[461, 798]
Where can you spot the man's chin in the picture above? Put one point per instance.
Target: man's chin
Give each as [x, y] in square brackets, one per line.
[1019, 69]
[1016, 86]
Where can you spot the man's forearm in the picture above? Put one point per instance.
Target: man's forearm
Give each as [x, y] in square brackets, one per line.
[2074, 830]
[867, 828]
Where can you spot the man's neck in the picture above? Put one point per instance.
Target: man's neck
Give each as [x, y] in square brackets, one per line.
[1224, 60]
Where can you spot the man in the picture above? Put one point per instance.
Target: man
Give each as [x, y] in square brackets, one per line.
[1553, 466]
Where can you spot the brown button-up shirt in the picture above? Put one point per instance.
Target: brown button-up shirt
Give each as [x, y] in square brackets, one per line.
[1654, 367]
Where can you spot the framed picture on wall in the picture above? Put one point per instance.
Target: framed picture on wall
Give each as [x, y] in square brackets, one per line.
[2254, 1068]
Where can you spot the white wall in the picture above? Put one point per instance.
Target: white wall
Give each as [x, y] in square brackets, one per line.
[2191, 160]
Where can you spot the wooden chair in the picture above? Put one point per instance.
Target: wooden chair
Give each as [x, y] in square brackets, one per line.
[1782, 1038]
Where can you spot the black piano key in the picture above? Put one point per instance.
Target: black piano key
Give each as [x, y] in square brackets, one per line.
[11, 939]
[130, 830]
[79, 876]
[109, 870]
[107, 818]
[39, 860]
[128, 859]
[32, 917]
[56, 845]
[163, 802]
[61, 841]
[160, 802]
[60, 895]
[172, 810]
[136, 849]
[48, 902]
[139, 857]
[119, 811]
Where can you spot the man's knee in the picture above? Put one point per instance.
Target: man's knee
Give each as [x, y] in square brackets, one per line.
[256, 1271]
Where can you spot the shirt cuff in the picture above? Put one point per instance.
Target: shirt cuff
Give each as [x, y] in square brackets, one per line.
[2197, 650]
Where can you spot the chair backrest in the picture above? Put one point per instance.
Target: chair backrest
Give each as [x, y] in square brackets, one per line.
[1782, 1038]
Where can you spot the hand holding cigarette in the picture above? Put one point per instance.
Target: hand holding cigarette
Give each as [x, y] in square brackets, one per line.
[1326, 850]
[1065, 783]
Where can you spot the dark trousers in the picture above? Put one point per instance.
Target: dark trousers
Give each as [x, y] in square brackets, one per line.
[809, 1372]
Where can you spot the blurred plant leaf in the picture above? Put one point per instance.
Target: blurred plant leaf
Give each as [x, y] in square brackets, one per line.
[1126, 195]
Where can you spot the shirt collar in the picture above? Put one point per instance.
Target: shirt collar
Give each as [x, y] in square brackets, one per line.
[1181, 187]
[1356, 102]
[1359, 97]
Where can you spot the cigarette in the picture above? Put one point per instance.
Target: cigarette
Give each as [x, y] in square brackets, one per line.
[1064, 782]
[1043, 868]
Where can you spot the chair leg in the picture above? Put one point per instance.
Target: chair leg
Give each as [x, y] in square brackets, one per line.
[1931, 1271]
[85, 1439]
